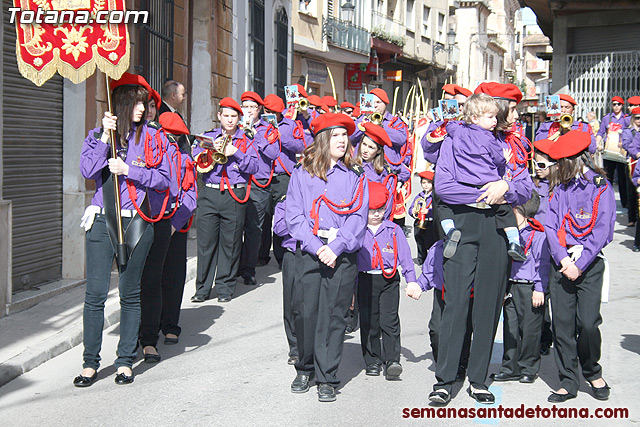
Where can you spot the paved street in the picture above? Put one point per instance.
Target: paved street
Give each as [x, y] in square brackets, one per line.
[230, 369]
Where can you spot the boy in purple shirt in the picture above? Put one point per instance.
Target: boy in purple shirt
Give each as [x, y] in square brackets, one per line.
[472, 158]
[523, 308]
[383, 247]
[422, 210]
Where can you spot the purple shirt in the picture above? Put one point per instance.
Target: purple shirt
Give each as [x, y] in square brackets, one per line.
[293, 140]
[374, 176]
[577, 199]
[611, 118]
[267, 151]
[630, 139]
[423, 194]
[157, 198]
[536, 268]
[187, 199]
[432, 270]
[280, 226]
[239, 167]
[543, 132]
[517, 175]
[93, 160]
[398, 133]
[543, 190]
[341, 186]
[392, 254]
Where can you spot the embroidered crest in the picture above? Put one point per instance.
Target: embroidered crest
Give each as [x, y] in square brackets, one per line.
[357, 169]
[388, 248]
[599, 180]
[139, 162]
[154, 125]
[583, 215]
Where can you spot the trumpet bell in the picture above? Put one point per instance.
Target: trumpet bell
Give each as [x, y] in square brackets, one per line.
[421, 224]
[376, 119]
[566, 121]
[219, 158]
[303, 104]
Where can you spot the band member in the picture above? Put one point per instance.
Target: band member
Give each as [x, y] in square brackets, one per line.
[421, 210]
[331, 102]
[384, 248]
[579, 225]
[552, 130]
[152, 107]
[611, 127]
[347, 108]
[632, 102]
[631, 143]
[222, 203]
[316, 107]
[252, 105]
[140, 165]
[267, 142]
[326, 211]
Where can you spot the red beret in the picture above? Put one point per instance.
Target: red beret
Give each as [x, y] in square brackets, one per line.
[426, 175]
[544, 145]
[330, 121]
[347, 105]
[570, 100]
[129, 79]
[378, 195]
[450, 89]
[571, 143]
[301, 91]
[507, 91]
[156, 97]
[617, 99]
[172, 123]
[274, 103]
[356, 111]
[635, 111]
[462, 91]
[634, 100]
[230, 103]
[377, 134]
[329, 101]
[315, 100]
[380, 94]
[251, 96]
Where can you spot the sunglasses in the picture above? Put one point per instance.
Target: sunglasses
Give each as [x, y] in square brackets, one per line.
[615, 104]
[544, 165]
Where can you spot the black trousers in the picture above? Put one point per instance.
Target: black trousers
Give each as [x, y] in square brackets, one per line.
[288, 277]
[174, 275]
[611, 168]
[522, 328]
[279, 186]
[378, 300]
[480, 261]
[220, 222]
[632, 198]
[151, 289]
[576, 319]
[425, 238]
[259, 200]
[546, 338]
[321, 300]
[435, 323]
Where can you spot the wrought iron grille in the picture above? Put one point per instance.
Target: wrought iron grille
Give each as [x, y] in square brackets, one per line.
[282, 39]
[257, 42]
[156, 43]
[594, 78]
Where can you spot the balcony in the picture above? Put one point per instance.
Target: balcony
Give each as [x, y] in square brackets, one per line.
[390, 29]
[345, 35]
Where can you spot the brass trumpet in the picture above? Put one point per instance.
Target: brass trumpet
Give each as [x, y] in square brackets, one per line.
[376, 118]
[303, 105]
[250, 132]
[219, 156]
[566, 121]
[420, 216]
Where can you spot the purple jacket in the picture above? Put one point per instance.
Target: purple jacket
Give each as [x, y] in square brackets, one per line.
[428, 200]
[543, 132]
[630, 139]
[93, 160]
[432, 271]
[280, 226]
[398, 133]
[267, 151]
[341, 187]
[611, 118]
[293, 140]
[187, 199]
[577, 199]
[517, 175]
[372, 175]
[536, 268]
[392, 254]
[543, 190]
[239, 167]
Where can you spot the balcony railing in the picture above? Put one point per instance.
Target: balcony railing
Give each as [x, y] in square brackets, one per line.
[346, 35]
[388, 25]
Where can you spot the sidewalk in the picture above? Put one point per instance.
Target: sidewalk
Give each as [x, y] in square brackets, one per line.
[31, 337]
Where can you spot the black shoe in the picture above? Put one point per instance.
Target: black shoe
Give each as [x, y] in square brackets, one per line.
[171, 341]
[516, 252]
[502, 376]
[224, 299]
[527, 379]
[198, 298]
[373, 370]
[482, 395]
[301, 383]
[151, 358]
[451, 243]
[636, 248]
[544, 349]
[81, 381]
[393, 370]
[326, 393]
[122, 378]
[292, 360]
[440, 397]
[559, 398]
[601, 393]
[250, 281]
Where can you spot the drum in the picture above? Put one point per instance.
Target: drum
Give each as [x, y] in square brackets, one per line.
[612, 150]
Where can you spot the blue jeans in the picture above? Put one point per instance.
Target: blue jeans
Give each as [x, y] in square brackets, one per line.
[99, 258]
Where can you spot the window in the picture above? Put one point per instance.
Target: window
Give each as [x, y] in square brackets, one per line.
[308, 7]
[410, 18]
[484, 64]
[257, 42]
[156, 44]
[426, 15]
[491, 63]
[441, 28]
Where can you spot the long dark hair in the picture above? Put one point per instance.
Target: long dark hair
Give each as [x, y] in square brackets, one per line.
[317, 157]
[124, 99]
[552, 179]
[570, 167]
[503, 113]
[378, 162]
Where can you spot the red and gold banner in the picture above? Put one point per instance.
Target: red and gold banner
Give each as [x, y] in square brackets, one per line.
[73, 47]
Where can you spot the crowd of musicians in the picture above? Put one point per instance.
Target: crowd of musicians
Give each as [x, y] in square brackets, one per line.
[502, 225]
